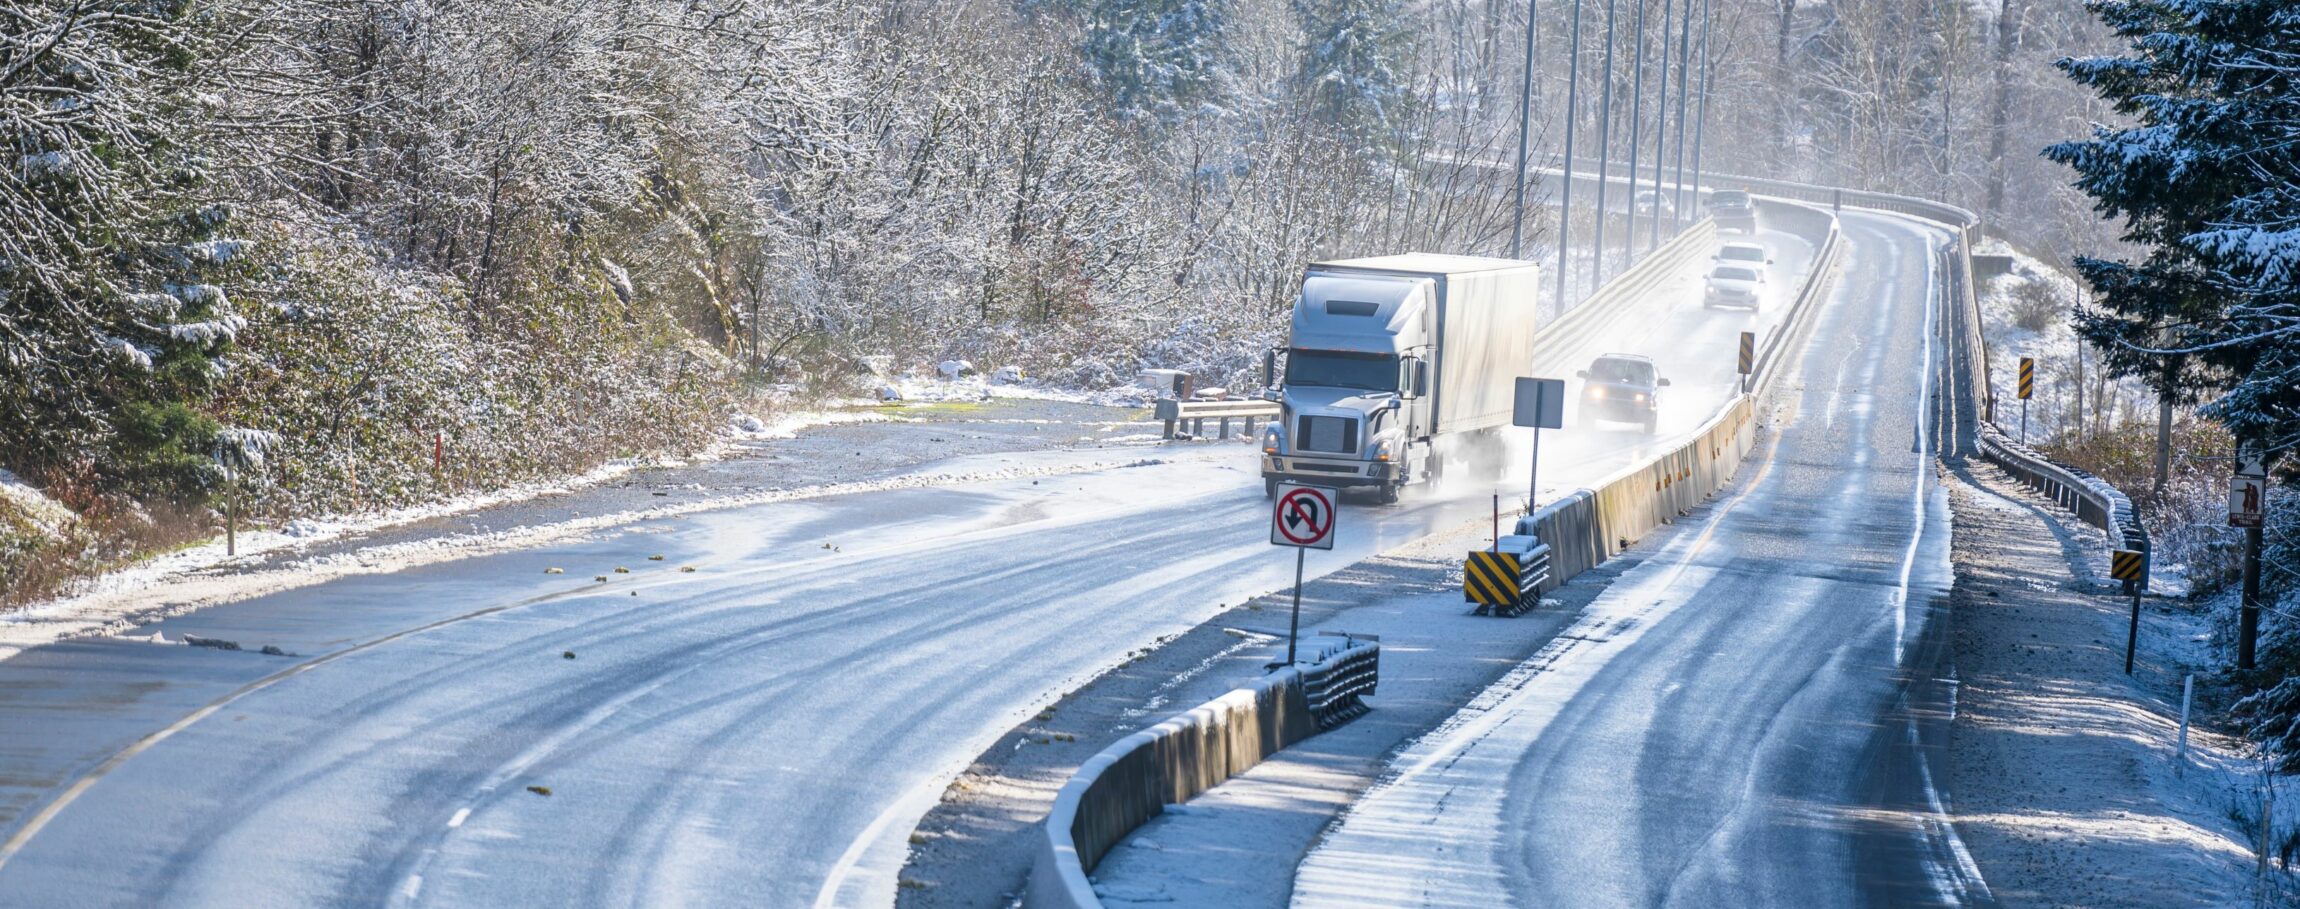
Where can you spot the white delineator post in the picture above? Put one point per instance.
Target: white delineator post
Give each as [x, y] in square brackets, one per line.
[2180, 752]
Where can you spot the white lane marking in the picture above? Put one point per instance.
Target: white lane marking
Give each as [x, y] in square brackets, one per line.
[910, 807]
[461, 815]
[1924, 459]
[1951, 887]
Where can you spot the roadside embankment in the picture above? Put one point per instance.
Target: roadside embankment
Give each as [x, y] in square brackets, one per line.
[2064, 769]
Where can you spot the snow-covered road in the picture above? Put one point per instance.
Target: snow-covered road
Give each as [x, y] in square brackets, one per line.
[1705, 734]
[763, 729]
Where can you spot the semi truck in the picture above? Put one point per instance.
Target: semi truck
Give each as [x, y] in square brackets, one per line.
[1398, 365]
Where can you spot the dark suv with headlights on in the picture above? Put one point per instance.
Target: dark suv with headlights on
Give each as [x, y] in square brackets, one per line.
[1623, 388]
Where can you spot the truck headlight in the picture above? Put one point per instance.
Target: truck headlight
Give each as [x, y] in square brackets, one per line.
[1382, 450]
[1271, 440]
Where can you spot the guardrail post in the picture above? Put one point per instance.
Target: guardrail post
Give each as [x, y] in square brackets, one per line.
[1169, 430]
[1225, 427]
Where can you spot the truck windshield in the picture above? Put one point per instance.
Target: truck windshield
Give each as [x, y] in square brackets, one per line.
[1342, 369]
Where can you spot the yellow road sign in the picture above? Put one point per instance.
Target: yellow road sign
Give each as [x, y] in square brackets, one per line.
[1748, 352]
[2027, 378]
[2127, 565]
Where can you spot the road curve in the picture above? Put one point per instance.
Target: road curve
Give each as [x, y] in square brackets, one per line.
[763, 730]
[1705, 734]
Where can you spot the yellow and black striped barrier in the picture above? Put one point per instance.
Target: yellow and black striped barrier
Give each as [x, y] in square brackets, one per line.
[2027, 378]
[2128, 565]
[1748, 363]
[1505, 580]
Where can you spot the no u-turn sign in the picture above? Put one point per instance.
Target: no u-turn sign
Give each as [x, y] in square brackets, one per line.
[1303, 517]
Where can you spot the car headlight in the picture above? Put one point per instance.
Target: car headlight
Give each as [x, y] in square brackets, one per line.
[1639, 397]
[1712, 290]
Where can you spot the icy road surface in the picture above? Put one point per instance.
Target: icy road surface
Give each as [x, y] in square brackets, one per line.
[764, 729]
[1705, 734]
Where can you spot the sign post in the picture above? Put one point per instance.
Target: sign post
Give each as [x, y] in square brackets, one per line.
[1302, 517]
[2027, 390]
[1540, 404]
[2131, 567]
[1748, 362]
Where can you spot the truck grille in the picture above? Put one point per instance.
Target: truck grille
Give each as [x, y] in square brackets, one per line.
[1334, 434]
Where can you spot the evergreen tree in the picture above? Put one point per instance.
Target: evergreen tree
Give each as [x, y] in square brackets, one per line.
[2205, 180]
[1355, 66]
[110, 330]
[1161, 60]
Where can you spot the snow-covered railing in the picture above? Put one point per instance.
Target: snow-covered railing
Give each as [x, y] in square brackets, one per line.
[2091, 498]
[1596, 315]
[1135, 778]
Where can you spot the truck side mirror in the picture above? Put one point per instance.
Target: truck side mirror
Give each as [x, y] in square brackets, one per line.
[1269, 368]
[1421, 378]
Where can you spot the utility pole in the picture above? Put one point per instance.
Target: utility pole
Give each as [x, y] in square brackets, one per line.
[1684, 67]
[1524, 131]
[2251, 460]
[2164, 434]
[1661, 131]
[1708, 81]
[1604, 150]
[1572, 107]
[1636, 134]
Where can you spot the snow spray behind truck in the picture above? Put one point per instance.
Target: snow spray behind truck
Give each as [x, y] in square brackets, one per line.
[1398, 364]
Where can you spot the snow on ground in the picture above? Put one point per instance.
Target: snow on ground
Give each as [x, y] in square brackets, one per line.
[2066, 782]
[2043, 295]
[46, 515]
[203, 575]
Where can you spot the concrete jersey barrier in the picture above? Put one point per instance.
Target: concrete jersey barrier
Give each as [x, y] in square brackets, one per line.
[1135, 778]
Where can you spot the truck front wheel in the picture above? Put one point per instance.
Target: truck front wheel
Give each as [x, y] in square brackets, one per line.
[1269, 488]
[1389, 494]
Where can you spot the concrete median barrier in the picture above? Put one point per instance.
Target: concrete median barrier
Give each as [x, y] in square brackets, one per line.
[1134, 779]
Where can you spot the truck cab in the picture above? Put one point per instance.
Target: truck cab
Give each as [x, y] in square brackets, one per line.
[1355, 385]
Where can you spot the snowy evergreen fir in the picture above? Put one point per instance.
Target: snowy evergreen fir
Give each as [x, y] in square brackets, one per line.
[1162, 60]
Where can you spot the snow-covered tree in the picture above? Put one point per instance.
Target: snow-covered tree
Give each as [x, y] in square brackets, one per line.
[1162, 60]
[2204, 179]
[110, 326]
[1357, 65]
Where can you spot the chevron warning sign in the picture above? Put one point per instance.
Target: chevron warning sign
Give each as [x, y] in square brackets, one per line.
[2027, 378]
[1490, 578]
[2127, 565]
[1748, 362]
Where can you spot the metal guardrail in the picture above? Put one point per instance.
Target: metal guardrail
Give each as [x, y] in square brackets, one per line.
[1597, 314]
[2091, 498]
[1135, 778]
[1194, 414]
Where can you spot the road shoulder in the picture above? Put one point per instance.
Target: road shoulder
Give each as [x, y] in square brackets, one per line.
[2063, 767]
